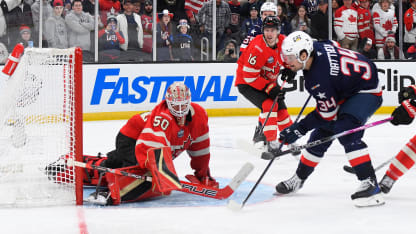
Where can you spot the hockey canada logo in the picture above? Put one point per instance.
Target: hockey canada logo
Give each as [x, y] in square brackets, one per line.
[180, 133]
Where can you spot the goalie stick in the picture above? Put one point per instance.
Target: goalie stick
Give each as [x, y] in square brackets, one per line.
[351, 170]
[326, 139]
[187, 187]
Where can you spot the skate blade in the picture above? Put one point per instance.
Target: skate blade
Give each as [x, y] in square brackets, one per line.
[375, 200]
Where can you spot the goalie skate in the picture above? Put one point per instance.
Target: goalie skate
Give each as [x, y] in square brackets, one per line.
[368, 194]
[102, 198]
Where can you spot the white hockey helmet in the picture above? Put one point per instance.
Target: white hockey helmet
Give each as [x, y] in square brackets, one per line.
[268, 6]
[178, 99]
[296, 43]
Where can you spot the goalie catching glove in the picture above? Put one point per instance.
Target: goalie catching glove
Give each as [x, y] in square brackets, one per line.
[405, 113]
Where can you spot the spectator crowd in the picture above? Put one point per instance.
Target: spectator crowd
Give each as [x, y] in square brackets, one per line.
[125, 27]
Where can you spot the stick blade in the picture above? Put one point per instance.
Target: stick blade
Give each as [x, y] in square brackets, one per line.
[234, 206]
[349, 169]
[241, 176]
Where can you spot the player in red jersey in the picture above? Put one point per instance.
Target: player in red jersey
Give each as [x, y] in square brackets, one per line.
[267, 9]
[148, 143]
[406, 158]
[257, 72]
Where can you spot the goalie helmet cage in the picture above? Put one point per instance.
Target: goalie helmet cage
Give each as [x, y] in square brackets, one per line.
[40, 128]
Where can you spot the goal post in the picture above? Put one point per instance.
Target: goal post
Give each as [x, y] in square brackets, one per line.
[40, 128]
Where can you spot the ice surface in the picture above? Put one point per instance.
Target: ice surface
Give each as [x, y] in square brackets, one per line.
[323, 205]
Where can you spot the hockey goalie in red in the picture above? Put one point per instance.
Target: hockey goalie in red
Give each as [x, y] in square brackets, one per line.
[257, 72]
[148, 143]
[405, 159]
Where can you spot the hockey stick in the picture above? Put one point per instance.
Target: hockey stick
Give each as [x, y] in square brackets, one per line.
[187, 187]
[271, 109]
[333, 137]
[233, 204]
[351, 170]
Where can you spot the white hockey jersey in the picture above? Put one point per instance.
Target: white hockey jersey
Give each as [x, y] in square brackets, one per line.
[345, 23]
[384, 22]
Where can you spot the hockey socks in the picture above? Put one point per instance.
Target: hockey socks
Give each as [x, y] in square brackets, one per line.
[283, 119]
[270, 127]
[403, 161]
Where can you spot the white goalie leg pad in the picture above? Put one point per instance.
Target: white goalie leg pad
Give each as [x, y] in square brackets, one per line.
[375, 200]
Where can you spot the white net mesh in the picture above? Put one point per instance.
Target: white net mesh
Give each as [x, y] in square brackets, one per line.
[36, 129]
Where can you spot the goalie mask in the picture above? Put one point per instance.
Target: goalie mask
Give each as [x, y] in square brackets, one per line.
[178, 99]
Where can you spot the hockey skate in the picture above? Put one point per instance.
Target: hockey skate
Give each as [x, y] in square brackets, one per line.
[386, 183]
[100, 198]
[269, 148]
[291, 185]
[368, 194]
[259, 139]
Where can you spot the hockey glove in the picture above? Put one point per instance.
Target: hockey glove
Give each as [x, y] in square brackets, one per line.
[407, 93]
[292, 133]
[405, 113]
[287, 75]
[273, 90]
[204, 180]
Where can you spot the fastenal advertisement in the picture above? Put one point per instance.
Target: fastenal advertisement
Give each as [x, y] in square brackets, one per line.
[139, 87]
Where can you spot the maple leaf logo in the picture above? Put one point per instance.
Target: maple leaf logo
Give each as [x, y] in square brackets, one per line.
[388, 26]
[352, 19]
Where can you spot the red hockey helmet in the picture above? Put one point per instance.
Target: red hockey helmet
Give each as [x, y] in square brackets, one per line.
[178, 99]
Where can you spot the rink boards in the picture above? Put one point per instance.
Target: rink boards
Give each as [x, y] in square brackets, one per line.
[117, 91]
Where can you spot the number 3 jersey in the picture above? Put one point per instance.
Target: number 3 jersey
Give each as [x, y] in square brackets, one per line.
[161, 129]
[337, 74]
[259, 65]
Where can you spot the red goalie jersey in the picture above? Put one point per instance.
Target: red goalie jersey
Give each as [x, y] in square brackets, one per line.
[161, 129]
[259, 65]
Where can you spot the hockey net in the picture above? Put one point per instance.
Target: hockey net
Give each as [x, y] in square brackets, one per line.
[41, 125]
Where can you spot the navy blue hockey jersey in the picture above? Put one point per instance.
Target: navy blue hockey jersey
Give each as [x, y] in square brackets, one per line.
[253, 32]
[337, 74]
